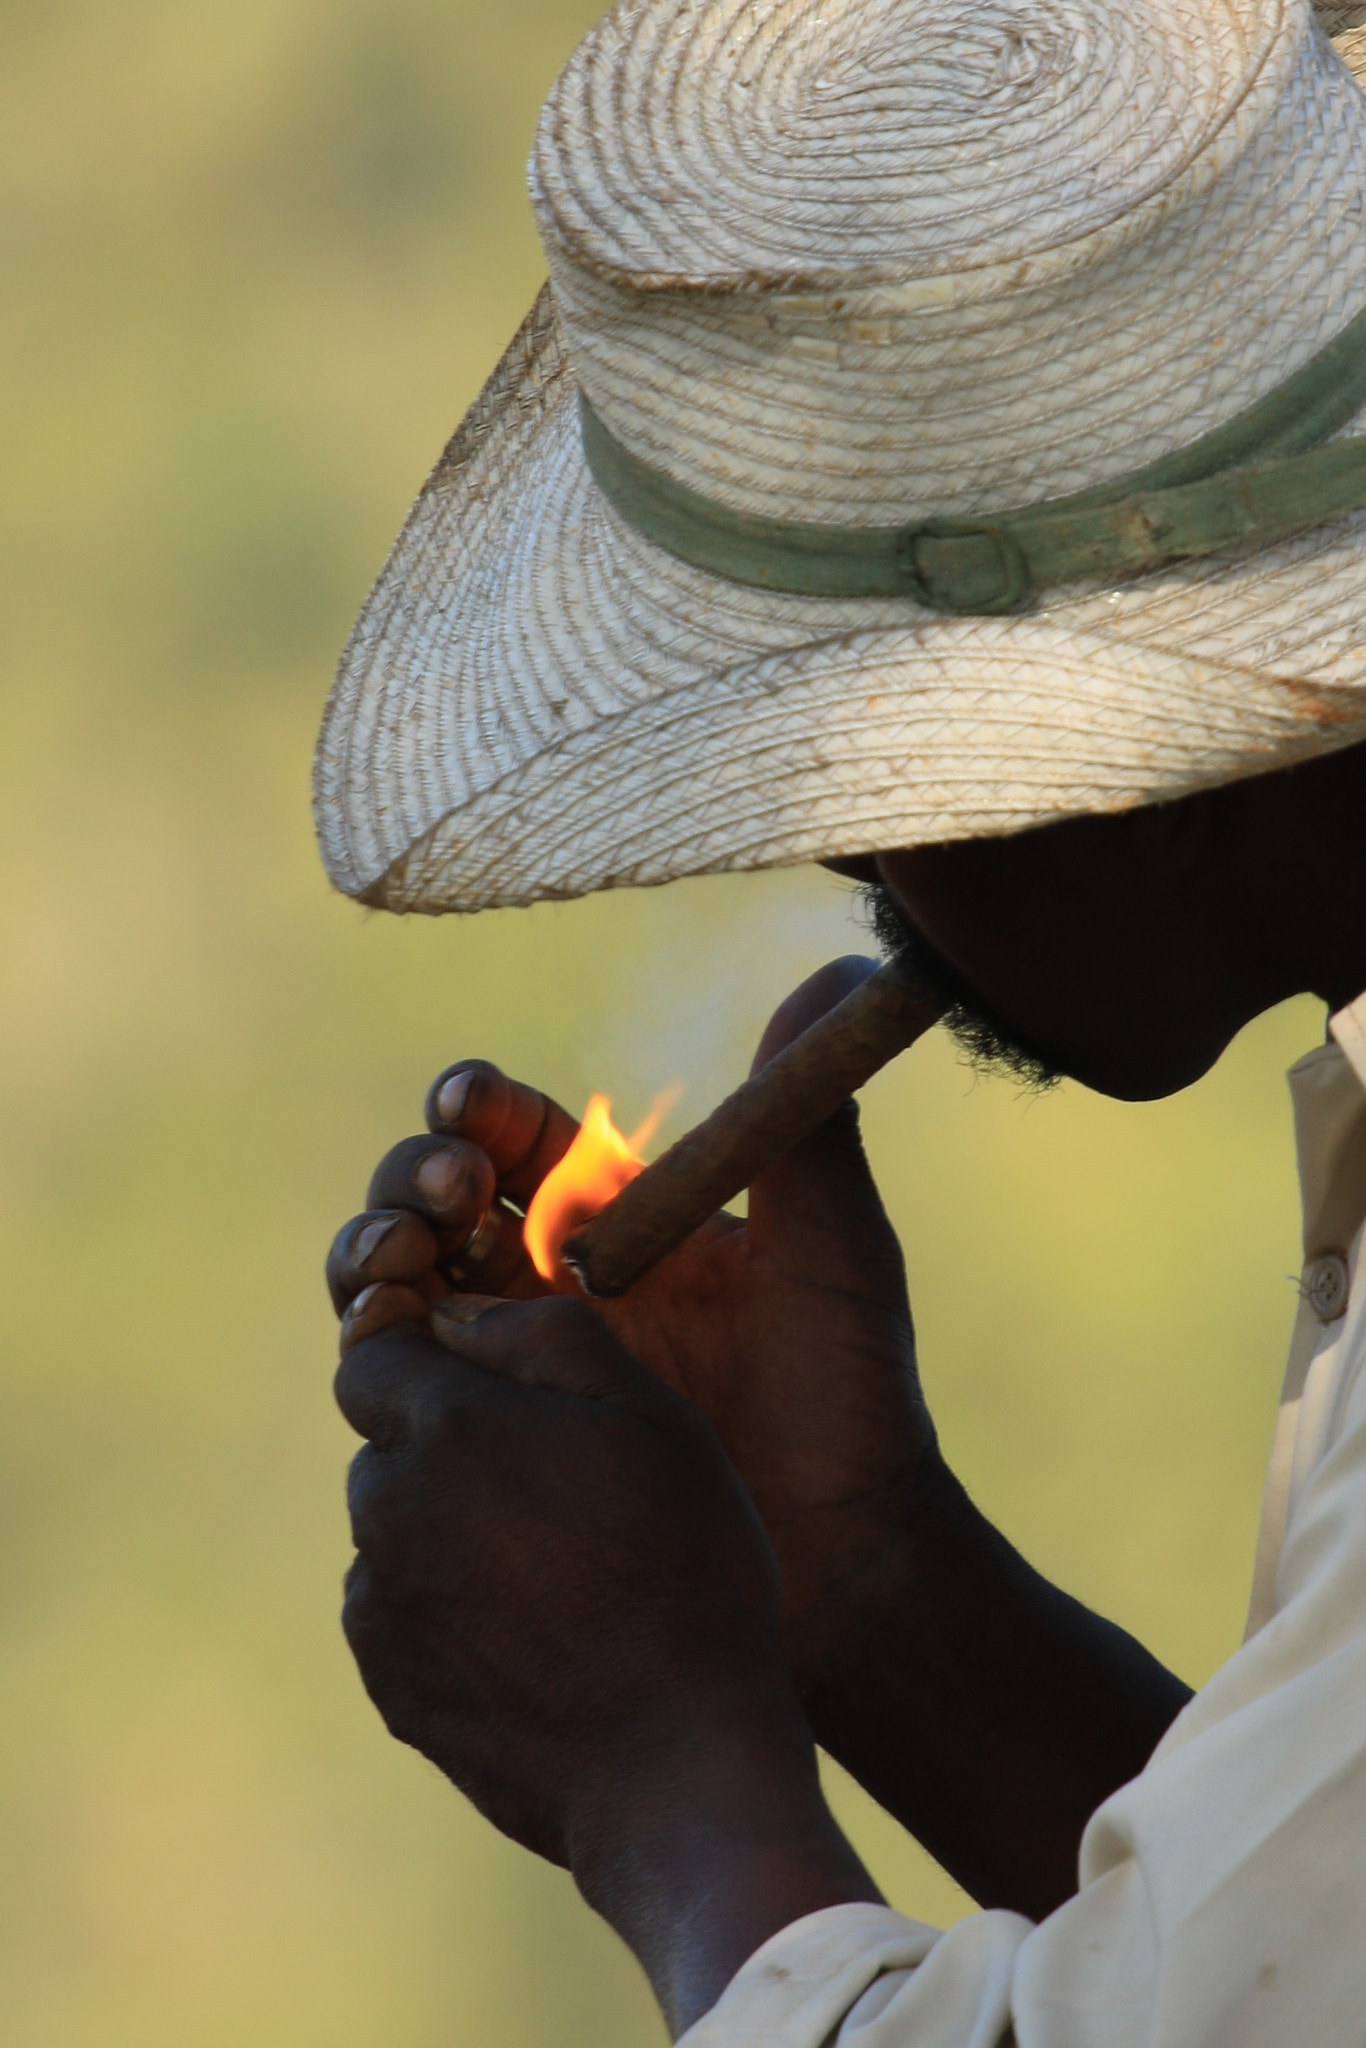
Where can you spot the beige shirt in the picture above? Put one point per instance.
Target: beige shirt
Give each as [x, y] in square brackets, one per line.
[1222, 1899]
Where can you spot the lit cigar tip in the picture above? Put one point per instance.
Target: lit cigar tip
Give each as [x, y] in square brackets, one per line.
[780, 1104]
[574, 1258]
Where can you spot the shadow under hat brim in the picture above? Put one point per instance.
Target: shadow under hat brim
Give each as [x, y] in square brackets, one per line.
[537, 702]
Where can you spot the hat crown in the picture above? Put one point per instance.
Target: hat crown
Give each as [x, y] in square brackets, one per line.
[872, 260]
[754, 145]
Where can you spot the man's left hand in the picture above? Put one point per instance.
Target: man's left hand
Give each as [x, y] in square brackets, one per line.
[564, 1598]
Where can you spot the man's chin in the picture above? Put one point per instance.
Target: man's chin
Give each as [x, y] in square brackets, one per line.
[1128, 1074]
[1144, 1066]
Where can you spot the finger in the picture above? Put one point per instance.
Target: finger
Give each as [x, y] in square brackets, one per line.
[817, 994]
[494, 1260]
[386, 1505]
[379, 1306]
[818, 1206]
[399, 1382]
[555, 1344]
[384, 1244]
[447, 1181]
[523, 1131]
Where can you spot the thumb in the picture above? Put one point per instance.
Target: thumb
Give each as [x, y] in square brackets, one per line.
[555, 1343]
[818, 1205]
[817, 994]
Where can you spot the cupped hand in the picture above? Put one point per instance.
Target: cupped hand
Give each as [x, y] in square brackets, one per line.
[791, 1331]
[563, 1597]
[558, 1569]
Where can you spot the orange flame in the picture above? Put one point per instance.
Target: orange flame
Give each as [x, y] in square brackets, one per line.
[597, 1166]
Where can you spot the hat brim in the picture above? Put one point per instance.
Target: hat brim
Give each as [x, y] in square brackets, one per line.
[537, 702]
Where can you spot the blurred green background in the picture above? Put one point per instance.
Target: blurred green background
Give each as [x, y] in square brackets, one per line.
[256, 259]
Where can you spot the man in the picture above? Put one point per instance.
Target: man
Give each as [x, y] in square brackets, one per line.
[942, 456]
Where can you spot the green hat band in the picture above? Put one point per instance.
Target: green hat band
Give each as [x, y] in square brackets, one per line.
[1259, 477]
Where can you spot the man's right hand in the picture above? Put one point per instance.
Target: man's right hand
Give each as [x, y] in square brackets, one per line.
[984, 1708]
[791, 1332]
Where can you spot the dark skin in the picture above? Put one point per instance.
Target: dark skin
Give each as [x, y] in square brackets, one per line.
[621, 1565]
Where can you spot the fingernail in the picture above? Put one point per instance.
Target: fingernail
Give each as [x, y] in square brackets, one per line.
[483, 1238]
[372, 1237]
[450, 1099]
[358, 1305]
[438, 1178]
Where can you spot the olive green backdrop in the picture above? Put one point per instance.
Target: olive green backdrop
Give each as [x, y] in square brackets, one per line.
[255, 259]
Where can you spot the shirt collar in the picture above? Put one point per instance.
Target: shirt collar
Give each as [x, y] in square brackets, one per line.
[1328, 1087]
[1348, 1026]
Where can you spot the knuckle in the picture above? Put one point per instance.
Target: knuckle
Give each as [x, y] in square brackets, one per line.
[368, 1497]
[350, 1382]
[344, 1384]
[360, 1386]
[359, 1610]
[356, 1592]
[398, 1506]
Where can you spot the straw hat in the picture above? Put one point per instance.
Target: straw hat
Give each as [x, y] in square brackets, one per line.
[823, 272]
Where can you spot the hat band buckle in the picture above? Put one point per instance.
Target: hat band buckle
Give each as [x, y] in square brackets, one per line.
[1261, 476]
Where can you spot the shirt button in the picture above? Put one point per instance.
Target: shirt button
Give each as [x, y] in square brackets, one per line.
[1325, 1286]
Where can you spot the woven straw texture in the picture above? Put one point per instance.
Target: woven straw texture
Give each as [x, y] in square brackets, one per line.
[865, 261]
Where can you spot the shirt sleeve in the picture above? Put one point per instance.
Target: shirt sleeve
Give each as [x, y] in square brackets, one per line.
[1222, 1893]
[865, 1977]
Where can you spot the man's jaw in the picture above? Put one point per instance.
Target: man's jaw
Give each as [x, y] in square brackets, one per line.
[990, 1045]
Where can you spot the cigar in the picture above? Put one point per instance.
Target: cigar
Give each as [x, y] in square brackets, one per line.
[765, 1117]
